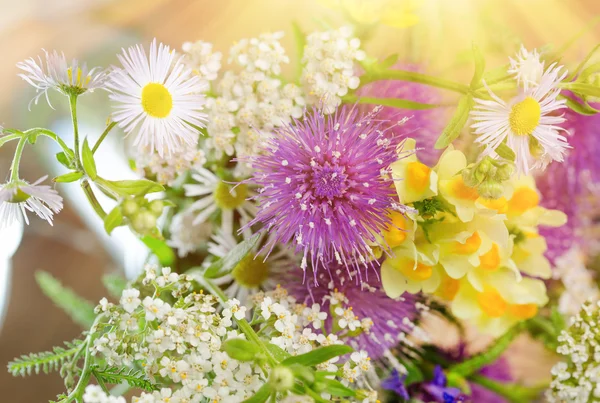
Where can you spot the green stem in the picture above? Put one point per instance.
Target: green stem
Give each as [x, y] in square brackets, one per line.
[513, 392]
[14, 168]
[89, 192]
[50, 134]
[103, 136]
[415, 78]
[73, 106]
[242, 323]
[10, 137]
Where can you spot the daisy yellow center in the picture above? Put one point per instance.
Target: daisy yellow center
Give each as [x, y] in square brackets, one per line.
[227, 198]
[417, 176]
[523, 199]
[470, 246]
[250, 272]
[157, 100]
[492, 303]
[525, 116]
[523, 311]
[420, 272]
[491, 259]
[448, 289]
[396, 233]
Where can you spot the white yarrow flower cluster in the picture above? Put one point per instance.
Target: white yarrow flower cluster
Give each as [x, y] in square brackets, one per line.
[249, 104]
[578, 280]
[179, 344]
[167, 169]
[330, 70]
[199, 56]
[578, 379]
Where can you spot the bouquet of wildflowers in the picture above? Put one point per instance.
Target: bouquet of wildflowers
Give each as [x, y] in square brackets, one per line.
[303, 229]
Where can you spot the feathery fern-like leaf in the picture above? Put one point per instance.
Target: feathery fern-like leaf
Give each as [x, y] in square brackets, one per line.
[116, 376]
[46, 361]
[79, 310]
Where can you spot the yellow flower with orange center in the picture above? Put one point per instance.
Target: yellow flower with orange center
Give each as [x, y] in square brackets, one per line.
[414, 180]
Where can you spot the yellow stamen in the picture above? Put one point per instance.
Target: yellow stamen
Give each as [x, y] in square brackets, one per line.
[525, 116]
[523, 311]
[491, 303]
[461, 191]
[470, 246]
[396, 233]
[491, 259]
[157, 100]
[523, 199]
[419, 273]
[417, 176]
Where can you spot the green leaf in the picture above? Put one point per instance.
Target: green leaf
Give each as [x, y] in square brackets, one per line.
[583, 89]
[496, 75]
[479, 67]
[506, 152]
[65, 160]
[452, 131]
[226, 264]
[45, 362]
[138, 187]
[389, 61]
[304, 373]
[115, 284]
[163, 252]
[581, 108]
[414, 373]
[261, 395]
[582, 65]
[318, 356]
[68, 177]
[588, 71]
[117, 376]
[89, 165]
[240, 349]
[80, 310]
[113, 219]
[336, 388]
[278, 353]
[392, 102]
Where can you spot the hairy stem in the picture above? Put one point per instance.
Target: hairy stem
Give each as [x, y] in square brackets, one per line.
[14, 168]
[103, 136]
[73, 106]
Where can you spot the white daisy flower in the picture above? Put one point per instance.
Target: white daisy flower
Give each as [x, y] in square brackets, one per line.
[53, 72]
[216, 195]
[527, 68]
[159, 98]
[528, 123]
[186, 236]
[255, 272]
[16, 197]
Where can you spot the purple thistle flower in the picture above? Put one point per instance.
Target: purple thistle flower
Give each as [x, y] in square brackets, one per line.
[574, 185]
[322, 186]
[424, 125]
[391, 320]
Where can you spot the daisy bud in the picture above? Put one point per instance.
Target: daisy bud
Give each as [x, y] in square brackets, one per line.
[469, 177]
[491, 190]
[129, 207]
[143, 221]
[156, 207]
[504, 172]
[282, 379]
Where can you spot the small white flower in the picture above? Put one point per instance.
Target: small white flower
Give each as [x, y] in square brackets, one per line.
[314, 315]
[527, 68]
[94, 394]
[155, 308]
[129, 299]
[16, 197]
[158, 98]
[186, 236]
[56, 73]
[202, 60]
[528, 122]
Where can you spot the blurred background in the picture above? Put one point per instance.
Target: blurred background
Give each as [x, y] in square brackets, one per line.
[438, 33]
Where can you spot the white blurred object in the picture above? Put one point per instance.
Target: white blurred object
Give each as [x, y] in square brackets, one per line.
[10, 238]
